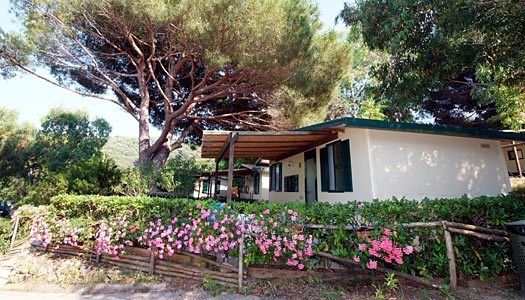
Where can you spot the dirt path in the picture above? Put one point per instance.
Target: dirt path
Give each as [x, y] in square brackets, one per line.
[40, 276]
[180, 295]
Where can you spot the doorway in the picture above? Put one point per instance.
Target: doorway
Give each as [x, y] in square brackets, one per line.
[310, 176]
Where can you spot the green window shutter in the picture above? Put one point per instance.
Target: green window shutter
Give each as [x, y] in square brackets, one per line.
[272, 178]
[346, 165]
[324, 169]
[205, 187]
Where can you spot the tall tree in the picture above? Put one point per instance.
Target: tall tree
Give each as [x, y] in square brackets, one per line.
[355, 95]
[68, 137]
[181, 66]
[15, 140]
[462, 56]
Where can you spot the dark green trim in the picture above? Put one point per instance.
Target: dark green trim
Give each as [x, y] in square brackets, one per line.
[418, 128]
[324, 169]
[346, 164]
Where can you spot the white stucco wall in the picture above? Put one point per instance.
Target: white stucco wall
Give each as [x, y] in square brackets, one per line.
[360, 162]
[264, 193]
[422, 165]
[293, 165]
[411, 165]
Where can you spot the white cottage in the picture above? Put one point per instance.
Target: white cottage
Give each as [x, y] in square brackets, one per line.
[358, 159]
[253, 182]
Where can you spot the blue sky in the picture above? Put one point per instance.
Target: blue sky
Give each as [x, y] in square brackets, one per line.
[33, 98]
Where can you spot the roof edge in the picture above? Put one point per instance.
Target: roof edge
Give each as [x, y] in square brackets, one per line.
[417, 128]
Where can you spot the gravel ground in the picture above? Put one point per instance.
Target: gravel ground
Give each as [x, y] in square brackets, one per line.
[126, 295]
[43, 276]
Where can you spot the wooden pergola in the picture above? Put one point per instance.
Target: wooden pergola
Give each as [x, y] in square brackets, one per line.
[513, 145]
[269, 145]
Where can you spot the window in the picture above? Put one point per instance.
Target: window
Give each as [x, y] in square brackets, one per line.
[205, 187]
[256, 183]
[276, 177]
[291, 183]
[512, 156]
[336, 168]
[218, 187]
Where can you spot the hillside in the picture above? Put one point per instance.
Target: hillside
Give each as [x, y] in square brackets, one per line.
[124, 150]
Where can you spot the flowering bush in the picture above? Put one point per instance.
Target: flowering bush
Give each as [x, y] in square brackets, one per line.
[278, 237]
[111, 237]
[374, 251]
[203, 231]
[40, 231]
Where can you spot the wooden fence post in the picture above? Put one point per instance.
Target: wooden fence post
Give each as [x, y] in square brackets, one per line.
[152, 262]
[13, 238]
[241, 256]
[451, 259]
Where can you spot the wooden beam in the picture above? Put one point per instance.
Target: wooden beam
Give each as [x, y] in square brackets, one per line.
[226, 146]
[324, 140]
[513, 144]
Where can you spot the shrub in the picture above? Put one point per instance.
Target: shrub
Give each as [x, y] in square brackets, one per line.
[159, 223]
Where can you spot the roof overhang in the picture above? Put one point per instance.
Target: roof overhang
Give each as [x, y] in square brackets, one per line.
[272, 145]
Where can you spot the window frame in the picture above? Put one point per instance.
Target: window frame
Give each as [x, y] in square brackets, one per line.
[291, 183]
[205, 186]
[256, 183]
[336, 167]
[511, 155]
[276, 184]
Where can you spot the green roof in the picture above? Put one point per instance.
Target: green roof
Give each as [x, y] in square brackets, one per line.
[418, 128]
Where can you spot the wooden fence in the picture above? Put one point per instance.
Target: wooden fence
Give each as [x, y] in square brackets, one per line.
[191, 266]
[484, 233]
[182, 264]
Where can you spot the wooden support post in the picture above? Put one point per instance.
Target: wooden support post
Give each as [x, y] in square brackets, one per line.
[152, 262]
[451, 259]
[13, 238]
[518, 164]
[215, 182]
[241, 256]
[233, 138]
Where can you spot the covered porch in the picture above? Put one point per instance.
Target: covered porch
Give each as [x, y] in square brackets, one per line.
[271, 145]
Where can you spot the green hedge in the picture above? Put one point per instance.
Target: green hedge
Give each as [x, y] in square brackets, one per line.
[474, 257]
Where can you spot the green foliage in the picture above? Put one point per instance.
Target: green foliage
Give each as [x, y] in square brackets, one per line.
[181, 66]
[96, 175]
[64, 157]
[356, 89]
[40, 192]
[15, 143]
[176, 177]
[474, 258]
[67, 137]
[303, 102]
[5, 232]
[458, 53]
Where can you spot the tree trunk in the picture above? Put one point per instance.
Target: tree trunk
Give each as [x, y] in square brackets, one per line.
[160, 156]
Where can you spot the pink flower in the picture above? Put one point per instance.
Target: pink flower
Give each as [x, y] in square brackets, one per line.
[387, 232]
[362, 247]
[371, 265]
[373, 252]
[360, 206]
[357, 259]
[408, 250]
[266, 212]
